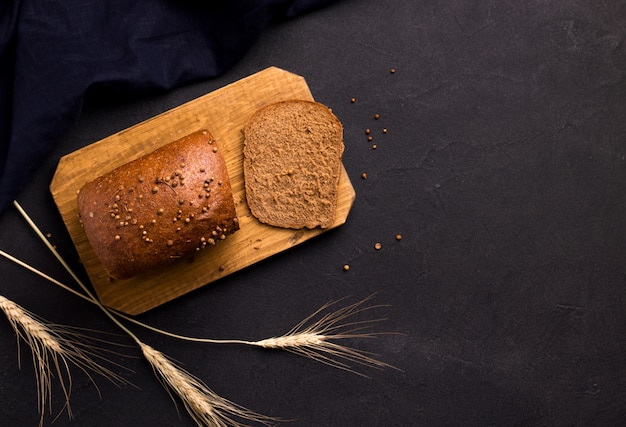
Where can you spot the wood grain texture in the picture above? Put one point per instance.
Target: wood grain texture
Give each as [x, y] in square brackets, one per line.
[224, 112]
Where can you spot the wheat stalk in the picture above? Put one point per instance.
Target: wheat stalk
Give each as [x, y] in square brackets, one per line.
[315, 339]
[203, 405]
[53, 349]
[312, 339]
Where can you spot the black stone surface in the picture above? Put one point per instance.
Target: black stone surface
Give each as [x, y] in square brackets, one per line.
[504, 170]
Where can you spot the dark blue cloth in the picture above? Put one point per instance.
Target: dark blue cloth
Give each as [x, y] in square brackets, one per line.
[53, 52]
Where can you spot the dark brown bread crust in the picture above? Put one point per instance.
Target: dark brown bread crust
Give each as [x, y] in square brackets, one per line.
[161, 207]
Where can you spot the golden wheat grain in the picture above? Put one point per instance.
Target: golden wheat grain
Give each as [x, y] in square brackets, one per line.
[54, 348]
[205, 406]
[314, 338]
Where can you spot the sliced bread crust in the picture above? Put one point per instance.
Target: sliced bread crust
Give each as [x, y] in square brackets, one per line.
[292, 164]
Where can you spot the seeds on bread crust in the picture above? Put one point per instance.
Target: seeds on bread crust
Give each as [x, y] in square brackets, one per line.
[162, 218]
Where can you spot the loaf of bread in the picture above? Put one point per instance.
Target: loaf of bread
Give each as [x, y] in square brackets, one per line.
[159, 208]
[292, 164]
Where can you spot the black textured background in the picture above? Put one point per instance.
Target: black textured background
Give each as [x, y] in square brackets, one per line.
[503, 168]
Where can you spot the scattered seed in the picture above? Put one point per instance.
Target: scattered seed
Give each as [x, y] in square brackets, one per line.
[367, 131]
[353, 100]
[392, 71]
[377, 246]
[170, 243]
[215, 149]
[370, 138]
[374, 146]
[398, 237]
[155, 189]
[376, 116]
[117, 237]
[364, 175]
[384, 130]
[346, 267]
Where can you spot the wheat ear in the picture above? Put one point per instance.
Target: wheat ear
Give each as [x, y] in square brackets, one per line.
[54, 348]
[315, 337]
[203, 405]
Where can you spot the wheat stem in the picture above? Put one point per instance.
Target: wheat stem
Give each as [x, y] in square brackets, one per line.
[328, 323]
[315, 340]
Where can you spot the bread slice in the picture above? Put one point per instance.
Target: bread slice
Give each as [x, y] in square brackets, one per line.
[292, 164]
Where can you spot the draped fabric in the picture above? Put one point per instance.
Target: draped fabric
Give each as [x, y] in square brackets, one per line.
[52, 52]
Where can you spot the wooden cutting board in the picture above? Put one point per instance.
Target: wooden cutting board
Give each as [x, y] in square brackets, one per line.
[224, 112]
